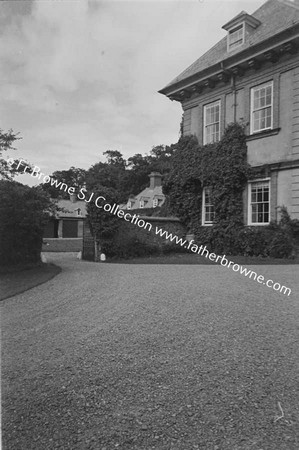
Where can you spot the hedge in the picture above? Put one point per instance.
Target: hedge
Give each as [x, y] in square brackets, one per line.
[23, 215]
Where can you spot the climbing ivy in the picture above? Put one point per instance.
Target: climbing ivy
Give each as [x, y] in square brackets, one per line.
[221, 166]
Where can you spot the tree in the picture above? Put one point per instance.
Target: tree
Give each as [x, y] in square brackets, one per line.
[7, 139]
[110, 174]
[103, 225]
[115, 158]
[73, 177]
[24, 211]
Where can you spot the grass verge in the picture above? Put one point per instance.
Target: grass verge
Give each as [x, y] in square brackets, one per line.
[189, 258]
[14, 282]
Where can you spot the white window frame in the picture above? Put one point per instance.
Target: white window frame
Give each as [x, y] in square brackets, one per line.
[155, 202]
[250, 183]
[230, 48]
[205, 222]
[141, 204]
[129, 205]
[252, 110]
[205, 125]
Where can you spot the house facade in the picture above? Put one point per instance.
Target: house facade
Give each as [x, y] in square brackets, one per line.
[64, 232]
[68, 222]
[150, 197]
[252, 76]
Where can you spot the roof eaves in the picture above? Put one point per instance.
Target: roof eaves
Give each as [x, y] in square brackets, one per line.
[220, 66]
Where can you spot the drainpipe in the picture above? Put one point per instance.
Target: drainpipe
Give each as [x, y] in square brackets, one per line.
[234, 91]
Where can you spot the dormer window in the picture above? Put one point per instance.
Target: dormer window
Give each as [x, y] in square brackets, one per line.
[240, 26]
[235, 37]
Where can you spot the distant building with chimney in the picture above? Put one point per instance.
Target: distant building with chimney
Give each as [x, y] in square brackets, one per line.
[64, 231]
[150, 197]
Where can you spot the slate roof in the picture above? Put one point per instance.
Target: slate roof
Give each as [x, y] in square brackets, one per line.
[148, 195]
[70, 209]
[275, 16]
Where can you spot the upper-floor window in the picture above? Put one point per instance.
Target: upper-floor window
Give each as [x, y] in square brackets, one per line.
[235, 37]
[155, 202]
[211, 132]
[261, 117]
[208, 212]
[141, 204]
[79, 212]
[259, 203]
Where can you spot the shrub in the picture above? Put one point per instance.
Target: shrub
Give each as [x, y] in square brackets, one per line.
[130, 247]
[23, 215]
[267, 241]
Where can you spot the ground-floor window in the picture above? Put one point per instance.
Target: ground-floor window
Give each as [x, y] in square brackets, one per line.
[208, 212]
[259, 202]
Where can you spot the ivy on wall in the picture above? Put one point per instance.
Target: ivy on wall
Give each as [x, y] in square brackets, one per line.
[223, 167]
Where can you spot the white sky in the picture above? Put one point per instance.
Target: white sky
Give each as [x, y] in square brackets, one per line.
[80, 77]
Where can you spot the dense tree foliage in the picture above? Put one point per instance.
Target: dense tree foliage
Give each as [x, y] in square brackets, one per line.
[24, 211]
[103, 225]
[129, 177]
[73, 177]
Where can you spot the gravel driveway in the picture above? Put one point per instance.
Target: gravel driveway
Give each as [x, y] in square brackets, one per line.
[151, 357]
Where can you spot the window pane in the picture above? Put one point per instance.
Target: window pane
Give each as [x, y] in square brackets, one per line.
[260, 205]
[235, 36]
[261, 108]
[212, 123]
[208, 207]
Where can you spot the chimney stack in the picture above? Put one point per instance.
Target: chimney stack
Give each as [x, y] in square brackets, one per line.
[73, 198]
[155, 179]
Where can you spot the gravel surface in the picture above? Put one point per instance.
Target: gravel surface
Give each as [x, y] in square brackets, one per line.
[181, 357]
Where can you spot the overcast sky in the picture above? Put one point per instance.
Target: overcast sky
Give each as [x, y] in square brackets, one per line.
[81, 77]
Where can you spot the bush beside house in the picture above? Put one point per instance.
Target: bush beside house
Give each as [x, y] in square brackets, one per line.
[131, 241]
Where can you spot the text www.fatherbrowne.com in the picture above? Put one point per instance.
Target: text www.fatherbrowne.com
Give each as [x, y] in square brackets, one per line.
[135, 219]
[203, 251]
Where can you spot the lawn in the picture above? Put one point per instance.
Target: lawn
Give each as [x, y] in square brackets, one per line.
[189, 258]
[18, 281]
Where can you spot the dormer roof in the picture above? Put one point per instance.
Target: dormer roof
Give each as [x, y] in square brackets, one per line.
[240, 18]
